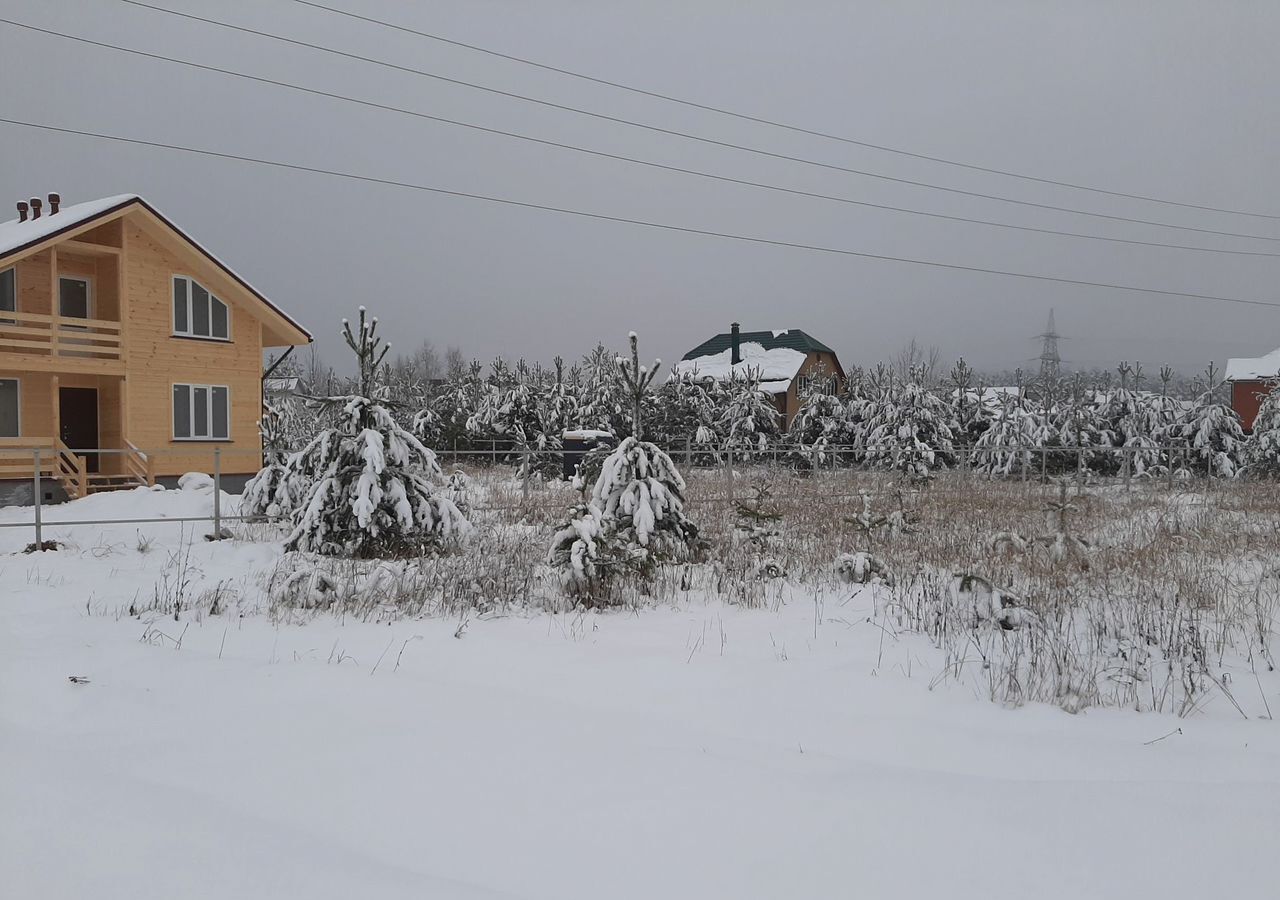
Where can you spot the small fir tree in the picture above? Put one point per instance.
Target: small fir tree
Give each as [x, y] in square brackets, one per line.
[748, 418]
[1212, 433]
[908, 428]
[273, 492]
[1262, 448]
[369, 490]
[635, 514]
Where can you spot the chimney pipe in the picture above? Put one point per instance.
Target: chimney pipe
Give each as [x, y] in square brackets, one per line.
[35, 207]
[735, 341]
[55, 200]
[22, 210]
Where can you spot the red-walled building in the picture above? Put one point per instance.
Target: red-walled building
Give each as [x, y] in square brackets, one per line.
[1251, 380]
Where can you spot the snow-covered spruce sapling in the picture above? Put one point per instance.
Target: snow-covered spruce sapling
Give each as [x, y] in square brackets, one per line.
[1212, 431]
[273, 492]
[369, 482]
[748, 418]
[634, 516]
[1262, 449]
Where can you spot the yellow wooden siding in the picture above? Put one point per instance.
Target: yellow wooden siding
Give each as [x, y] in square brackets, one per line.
[34, 284]
[35, 406]
[158, 360]
[131, 261]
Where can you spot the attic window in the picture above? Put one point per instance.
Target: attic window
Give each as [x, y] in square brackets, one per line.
[197, 313]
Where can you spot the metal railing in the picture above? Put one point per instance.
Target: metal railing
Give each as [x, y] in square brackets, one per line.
[51, 461]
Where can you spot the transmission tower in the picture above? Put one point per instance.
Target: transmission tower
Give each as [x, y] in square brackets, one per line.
[1050, 361]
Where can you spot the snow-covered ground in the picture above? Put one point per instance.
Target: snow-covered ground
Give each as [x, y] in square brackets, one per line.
[700, 750]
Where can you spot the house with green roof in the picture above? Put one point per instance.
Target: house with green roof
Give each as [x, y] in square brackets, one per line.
[788, 362]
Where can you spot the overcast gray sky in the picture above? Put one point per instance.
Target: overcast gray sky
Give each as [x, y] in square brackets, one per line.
[1171, 99]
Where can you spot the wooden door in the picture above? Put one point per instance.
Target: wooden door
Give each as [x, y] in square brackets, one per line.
[78, 412]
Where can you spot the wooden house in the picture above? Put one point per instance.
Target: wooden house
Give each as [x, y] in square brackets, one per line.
[128, 352]
[1251, 380]
[789, 364]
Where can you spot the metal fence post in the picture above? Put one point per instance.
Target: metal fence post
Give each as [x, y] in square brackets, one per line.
[688, 451]
[217, 493]
[524, 481]
[36, 497]
[728, 470]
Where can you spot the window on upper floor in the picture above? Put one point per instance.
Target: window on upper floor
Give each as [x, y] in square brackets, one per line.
[9, 291]
[75, 297]
[808, 385]
[201, 412]
[197, 313]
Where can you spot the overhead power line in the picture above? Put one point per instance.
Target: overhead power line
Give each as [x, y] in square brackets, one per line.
[684, 134]
[663, 226]
[622, 158]
[746, 117]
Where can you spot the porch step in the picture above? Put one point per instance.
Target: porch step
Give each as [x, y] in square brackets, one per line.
[101, 483]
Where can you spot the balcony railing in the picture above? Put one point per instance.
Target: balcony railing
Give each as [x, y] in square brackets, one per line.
[61, 337]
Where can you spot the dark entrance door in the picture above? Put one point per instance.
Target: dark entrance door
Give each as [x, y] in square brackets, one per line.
[78, 412]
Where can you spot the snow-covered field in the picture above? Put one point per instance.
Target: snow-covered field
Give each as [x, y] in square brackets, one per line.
[801, 746]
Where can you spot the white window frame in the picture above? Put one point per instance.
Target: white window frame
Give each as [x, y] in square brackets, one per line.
[191, 413]
[88, 295]
[806, 383]
[17, 391]
[190, 333]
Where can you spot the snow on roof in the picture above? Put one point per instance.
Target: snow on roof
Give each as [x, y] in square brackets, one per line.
[1252, 369]
[14, 235]
[777, 365]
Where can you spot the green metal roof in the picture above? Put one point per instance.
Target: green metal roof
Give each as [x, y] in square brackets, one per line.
[792, 338]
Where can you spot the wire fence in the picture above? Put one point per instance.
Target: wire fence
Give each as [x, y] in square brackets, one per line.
[822, 474]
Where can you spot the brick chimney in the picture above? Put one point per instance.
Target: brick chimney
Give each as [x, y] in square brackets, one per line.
[735, 342]
[55, 200]
[22, 210]
[36, 203]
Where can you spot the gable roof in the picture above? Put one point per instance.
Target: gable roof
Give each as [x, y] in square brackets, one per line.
[789, 338]
[1262, 368]
[18, 238]
[775, 368]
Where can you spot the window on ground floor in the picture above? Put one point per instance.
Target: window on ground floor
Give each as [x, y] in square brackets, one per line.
[201, 412]
[9, 407]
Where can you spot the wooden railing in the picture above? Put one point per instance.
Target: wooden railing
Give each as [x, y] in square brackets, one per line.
[17, 463]
[139, 464]
[25, 334]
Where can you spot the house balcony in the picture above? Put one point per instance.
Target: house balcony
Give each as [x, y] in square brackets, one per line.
[55, 343]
